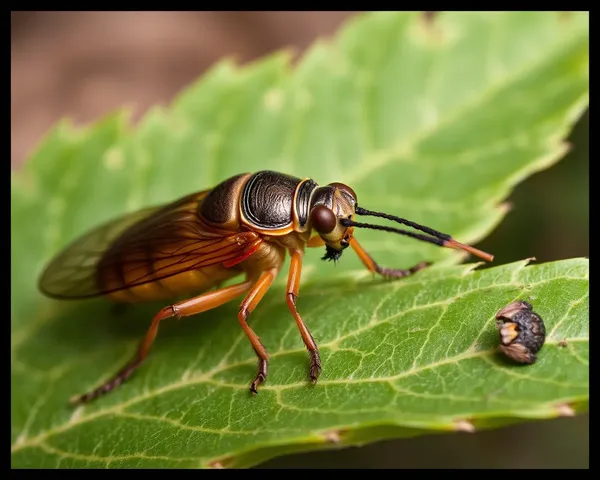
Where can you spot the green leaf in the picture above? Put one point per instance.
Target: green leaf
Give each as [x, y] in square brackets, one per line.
[433, 121]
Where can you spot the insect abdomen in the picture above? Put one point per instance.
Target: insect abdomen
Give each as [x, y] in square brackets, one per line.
[193, 281]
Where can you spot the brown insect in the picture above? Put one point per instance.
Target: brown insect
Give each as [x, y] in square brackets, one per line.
[522, 332]
[244, 225]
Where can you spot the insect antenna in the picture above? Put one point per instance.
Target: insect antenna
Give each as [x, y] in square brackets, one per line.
[403, 221]
[435, 237]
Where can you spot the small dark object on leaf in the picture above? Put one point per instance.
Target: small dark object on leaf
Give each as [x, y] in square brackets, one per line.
[563, 343]
[522, 332]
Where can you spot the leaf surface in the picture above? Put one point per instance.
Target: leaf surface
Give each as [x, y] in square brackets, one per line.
[435, 122]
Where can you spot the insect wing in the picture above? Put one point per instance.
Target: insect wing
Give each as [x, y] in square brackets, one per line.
[72, 273]
[141, 247]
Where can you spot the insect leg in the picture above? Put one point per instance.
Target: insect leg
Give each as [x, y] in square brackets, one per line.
[293, 286]
[254, 296]
[184, 308]
[386, 272]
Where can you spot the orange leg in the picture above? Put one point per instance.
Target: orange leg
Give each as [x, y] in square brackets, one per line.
[193, 306]
[248, 305]
[293, 286]
[386, 272]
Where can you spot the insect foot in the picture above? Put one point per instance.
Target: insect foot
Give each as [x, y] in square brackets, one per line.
[393, 273]
[315, 366]
[261, 376]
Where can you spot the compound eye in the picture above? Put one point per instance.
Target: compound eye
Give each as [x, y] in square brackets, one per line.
[323, 219]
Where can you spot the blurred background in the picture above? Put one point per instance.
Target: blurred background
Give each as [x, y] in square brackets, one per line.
[86, 64]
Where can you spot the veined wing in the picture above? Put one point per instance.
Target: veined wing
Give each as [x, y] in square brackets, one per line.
[141, 247]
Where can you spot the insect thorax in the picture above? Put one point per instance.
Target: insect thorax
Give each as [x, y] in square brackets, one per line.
[268, 198]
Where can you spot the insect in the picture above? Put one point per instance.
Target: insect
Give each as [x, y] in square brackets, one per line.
[522, 332]
[245, 225]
